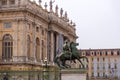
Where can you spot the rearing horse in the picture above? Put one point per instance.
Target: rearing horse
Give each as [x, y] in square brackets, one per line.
[72, 56]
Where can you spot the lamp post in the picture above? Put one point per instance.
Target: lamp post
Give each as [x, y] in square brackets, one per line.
[5, 76]
[46, 70]
[45, 62]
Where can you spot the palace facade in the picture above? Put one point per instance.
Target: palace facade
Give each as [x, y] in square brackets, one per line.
[30, 34]
[104, 64]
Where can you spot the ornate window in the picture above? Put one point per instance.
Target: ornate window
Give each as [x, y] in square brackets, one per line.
[4, 2]
[28, 46]
[7, 47]
[12, 2]
[37, 29]
[37, 49]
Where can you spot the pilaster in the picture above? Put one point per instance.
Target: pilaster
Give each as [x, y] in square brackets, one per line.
[52, 46]
[34, 40]
[57, 41]
[16, 38]
[0, 39]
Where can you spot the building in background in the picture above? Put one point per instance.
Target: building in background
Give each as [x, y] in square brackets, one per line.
[104, 64]
[29, 34]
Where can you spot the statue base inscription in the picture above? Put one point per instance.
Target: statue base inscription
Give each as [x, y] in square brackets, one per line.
[73, 74]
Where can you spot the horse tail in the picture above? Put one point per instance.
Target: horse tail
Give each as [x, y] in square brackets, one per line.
[55, 59]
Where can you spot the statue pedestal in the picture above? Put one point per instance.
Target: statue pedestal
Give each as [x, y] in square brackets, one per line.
[73, 74]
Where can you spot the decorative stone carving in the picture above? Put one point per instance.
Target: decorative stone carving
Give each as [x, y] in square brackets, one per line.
[56, 10]
[61, 12]
[51, 6]
[40, 2]
[45, 6]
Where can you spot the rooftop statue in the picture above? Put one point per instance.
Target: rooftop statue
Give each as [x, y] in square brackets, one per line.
[69, 53]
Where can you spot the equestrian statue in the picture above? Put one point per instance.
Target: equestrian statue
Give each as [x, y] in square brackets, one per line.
[71, 53]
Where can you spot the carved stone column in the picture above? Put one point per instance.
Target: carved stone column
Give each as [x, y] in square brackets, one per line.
[34, 40]
[52, 45]
[1, 40]
[16, 38]
[57, 42]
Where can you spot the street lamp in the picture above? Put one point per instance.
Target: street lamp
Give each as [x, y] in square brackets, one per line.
[46, 70]
[46, 62]
[5, 76]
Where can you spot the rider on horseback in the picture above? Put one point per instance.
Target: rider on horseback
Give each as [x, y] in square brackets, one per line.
[66, 48]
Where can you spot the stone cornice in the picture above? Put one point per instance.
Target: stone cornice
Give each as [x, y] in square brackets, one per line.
[37, 11]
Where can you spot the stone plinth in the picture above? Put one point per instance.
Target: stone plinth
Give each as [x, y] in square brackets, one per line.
[73, 74]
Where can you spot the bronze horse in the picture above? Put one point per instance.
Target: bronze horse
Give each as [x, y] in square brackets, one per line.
[71, 56]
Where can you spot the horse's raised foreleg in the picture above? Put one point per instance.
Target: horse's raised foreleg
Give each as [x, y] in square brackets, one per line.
[80, 62]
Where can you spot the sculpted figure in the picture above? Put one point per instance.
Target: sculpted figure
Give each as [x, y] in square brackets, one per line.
[69, 53]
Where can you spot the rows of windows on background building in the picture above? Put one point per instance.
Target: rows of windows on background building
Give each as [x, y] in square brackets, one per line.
[109, 66]
[102, 59]
[104, 75]
[101, 53]
[11, 2]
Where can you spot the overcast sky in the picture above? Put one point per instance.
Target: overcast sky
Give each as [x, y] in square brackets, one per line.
[97, 21]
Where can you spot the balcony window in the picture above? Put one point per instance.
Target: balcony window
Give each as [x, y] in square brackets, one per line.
[4, 2]
[37, 49]
[7, 47]
[12, 2]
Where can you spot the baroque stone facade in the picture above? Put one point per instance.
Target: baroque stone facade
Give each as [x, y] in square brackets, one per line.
[103, 63]
[29, 33]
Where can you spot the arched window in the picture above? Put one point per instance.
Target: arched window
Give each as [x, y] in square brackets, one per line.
[7, 47]
[37, 49]
[28, 46]
[4, 2]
